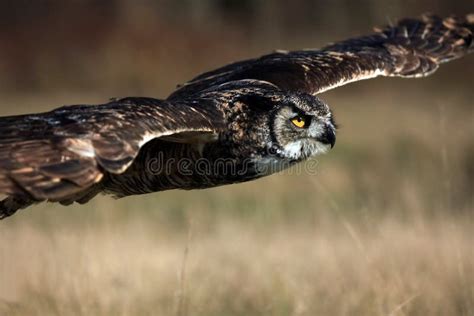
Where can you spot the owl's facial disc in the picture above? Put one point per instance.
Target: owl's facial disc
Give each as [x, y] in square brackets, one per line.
[304, 127]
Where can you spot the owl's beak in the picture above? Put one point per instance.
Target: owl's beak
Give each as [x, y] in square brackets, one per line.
[328, 137]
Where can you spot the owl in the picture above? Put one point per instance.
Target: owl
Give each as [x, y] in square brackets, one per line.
[237, 123]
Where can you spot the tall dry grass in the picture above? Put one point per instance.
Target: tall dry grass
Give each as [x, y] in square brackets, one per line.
[333, 267]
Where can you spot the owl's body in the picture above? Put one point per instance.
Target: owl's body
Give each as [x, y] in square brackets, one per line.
[237, 123]
[245, 150]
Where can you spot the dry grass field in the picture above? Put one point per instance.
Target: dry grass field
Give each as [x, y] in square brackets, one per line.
[331, 267]
[385, 226]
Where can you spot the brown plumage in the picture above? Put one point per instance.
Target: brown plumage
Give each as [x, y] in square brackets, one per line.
[257, 113]
[411, 48]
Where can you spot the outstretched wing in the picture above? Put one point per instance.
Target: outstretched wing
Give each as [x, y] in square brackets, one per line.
[57, 154]
[411, 48]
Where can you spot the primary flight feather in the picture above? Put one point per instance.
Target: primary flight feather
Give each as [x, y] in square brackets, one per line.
[233, 124]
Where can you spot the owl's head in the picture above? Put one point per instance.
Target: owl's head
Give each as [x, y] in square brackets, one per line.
[302, 126]
[293, 126]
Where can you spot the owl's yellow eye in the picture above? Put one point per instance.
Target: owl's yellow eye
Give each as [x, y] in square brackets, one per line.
[299, 121]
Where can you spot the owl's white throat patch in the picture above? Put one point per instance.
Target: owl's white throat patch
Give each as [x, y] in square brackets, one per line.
[304, 148]
[290, 153]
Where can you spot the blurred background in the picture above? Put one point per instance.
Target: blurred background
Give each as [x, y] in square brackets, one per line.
[385, 227]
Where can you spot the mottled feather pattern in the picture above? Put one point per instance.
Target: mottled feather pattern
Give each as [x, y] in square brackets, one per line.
[56, 155]
[410, 48]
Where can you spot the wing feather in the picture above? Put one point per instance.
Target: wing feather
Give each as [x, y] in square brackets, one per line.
[59, 154]
[411, 48]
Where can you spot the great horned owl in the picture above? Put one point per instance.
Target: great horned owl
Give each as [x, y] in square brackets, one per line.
[234, 124]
